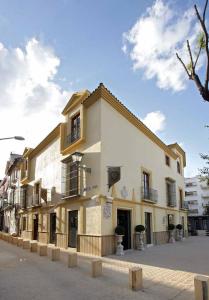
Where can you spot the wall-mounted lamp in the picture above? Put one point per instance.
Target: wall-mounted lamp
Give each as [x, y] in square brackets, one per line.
[77, 157]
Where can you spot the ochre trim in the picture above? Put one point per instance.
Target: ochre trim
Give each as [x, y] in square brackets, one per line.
[104, 93]
[76, 99]
[47, 140]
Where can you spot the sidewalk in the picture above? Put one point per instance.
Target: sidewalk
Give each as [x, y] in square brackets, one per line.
[25, 275]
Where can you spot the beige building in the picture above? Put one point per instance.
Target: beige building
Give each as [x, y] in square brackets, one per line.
[101, 168]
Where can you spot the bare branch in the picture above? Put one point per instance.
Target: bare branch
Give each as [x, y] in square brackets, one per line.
[183, 64]
[198, 55]
[202, 22]
[191, 58]
[205, 8]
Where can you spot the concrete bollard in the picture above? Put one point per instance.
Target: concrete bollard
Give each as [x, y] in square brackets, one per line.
[33, 246]
[201, 287]
[26, 244]
[53, 252]
[20, 242]
[14, 240]
[135, 278]
[42, 249]
[96, 268]
[72, 260]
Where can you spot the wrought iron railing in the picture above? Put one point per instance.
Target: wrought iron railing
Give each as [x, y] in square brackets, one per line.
[73, 137]
[149, 194]
[171, 199]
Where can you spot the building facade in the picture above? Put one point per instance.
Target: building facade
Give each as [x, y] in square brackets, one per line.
[101, 168]
[197, 199]
[10, 195]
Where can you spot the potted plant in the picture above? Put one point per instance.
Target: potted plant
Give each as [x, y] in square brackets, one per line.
[171, 228]
[119, 233]
[179, 227]
[139, 229]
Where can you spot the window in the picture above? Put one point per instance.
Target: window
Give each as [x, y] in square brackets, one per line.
[167, 160]
[73, 179]
[37, 193]
[75, 128]
[180, 198]
[24, 223]
[146, 185]
[178, 167]
[171, 192]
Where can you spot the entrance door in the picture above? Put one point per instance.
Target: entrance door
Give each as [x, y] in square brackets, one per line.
[53, 228]
[72, 228]
[35, 227]
[124, 220]
[148, 226]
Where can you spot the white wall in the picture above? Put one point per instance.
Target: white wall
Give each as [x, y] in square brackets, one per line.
[124, 145]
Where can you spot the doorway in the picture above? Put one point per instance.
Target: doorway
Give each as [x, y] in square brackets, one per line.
[72, 228]
[148, 227]
[35, 227]
[124, 220]
[52, 239]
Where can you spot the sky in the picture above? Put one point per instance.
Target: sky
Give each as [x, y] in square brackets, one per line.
[50, 49]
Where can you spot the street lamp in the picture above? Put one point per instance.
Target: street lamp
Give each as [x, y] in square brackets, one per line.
[76, 158]
[19, 138]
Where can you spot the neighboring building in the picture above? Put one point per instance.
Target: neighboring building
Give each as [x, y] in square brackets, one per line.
[11, 194]
[101, 168]
[197, 198]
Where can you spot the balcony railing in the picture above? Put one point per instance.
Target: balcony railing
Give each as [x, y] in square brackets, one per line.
[171, 199]
[150, 195]
[33, 200]
[205, 195]
[193, 211]
[184, 205]
[73, 137]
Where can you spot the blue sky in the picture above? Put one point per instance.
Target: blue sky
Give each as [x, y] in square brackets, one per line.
[76, 45]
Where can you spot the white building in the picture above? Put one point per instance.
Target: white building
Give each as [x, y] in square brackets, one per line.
[197, 198]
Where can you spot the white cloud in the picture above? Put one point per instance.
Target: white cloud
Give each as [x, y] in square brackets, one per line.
[30, 100]
[155, 121]
[155, 38]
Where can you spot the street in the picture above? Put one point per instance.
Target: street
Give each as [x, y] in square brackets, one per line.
[168, 272]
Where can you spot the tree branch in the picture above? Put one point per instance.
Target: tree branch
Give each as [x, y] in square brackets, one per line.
[202, 22]
[184, 66]
[205, 8]
[198, 54]
[191, 58]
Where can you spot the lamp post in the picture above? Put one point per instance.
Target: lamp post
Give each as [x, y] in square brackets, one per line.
[19, 138]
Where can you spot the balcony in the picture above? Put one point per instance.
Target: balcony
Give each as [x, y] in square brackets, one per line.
[171, 199]
[184, 206]
[193, 211]
[33, 200]
[72, 137]
[149, 195]
[205, 195]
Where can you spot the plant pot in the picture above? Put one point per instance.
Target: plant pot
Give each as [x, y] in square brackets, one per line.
[139, 241]
[119, 246]
[171, 238]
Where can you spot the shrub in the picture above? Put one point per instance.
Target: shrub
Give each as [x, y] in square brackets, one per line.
[179, 227]
[119, 230]
[139, 228]
[171, 227]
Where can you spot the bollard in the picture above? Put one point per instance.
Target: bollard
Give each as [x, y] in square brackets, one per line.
[26, 244]
[20, 242]
[135, 278]
[96, 268]
[14, 240]
[53, 253]
[33, 246]
[42, 249]
[201, 287]
[72, 260]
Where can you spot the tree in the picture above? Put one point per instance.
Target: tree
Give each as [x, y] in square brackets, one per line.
[202, 45]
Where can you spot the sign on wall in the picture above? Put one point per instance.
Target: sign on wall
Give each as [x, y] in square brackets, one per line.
[107, 210]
